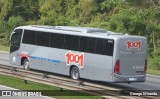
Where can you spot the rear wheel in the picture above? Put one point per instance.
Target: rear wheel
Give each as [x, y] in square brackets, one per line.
[26, 64]
[75, 73]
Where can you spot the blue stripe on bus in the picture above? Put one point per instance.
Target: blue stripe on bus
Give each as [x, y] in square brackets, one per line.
[45, 59]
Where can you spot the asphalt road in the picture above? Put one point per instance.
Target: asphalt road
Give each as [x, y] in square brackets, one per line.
[152, 82]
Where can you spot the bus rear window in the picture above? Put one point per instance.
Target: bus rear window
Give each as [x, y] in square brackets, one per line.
[104, 47]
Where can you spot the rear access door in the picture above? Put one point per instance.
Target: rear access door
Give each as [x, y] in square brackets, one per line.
[132, 56]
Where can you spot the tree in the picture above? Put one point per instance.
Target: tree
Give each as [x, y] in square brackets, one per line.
[110, 5]
[27, 9]
[5, 7]
[136, 3]
[84, 15]
[153, 26]
[15, 21]
[51, 12]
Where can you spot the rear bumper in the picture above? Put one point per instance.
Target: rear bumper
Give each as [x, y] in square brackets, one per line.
[122, 78]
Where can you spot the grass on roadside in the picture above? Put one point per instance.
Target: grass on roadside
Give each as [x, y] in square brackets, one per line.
[4, 48]
[19, 84]
[153, 72]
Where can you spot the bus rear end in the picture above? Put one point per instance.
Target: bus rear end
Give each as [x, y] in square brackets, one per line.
[131, 60]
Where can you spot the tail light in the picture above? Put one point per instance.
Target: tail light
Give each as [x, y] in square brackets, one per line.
[145, 66]
[117, 67]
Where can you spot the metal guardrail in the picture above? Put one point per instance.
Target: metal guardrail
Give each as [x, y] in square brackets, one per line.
[67, 83]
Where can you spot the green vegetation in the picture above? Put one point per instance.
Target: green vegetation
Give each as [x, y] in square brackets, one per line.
[135, 17]
[19, 84]
[153, 72]
[4, 48]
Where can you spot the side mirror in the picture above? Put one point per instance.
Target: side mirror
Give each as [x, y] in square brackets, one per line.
[11, 36]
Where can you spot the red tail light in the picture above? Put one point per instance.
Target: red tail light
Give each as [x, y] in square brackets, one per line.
[145, 66]
[117, 67]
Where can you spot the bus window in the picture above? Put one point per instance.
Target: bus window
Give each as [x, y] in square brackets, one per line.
[16, 40]
[87, 44]
[104, 47]
[110, 47]
[42, 39]
[71, 42]
[57, 40]
[29, 37]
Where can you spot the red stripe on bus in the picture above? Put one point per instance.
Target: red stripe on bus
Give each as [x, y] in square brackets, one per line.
[22, 55]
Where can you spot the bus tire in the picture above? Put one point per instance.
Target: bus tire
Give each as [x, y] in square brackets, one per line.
[75, 73]
[26, 64]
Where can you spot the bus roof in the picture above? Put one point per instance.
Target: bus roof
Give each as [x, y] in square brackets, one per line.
[69, 28]
[85, 31]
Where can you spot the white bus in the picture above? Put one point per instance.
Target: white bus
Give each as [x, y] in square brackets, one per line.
[80, 52]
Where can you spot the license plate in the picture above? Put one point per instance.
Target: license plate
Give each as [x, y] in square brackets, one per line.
[131, 79]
